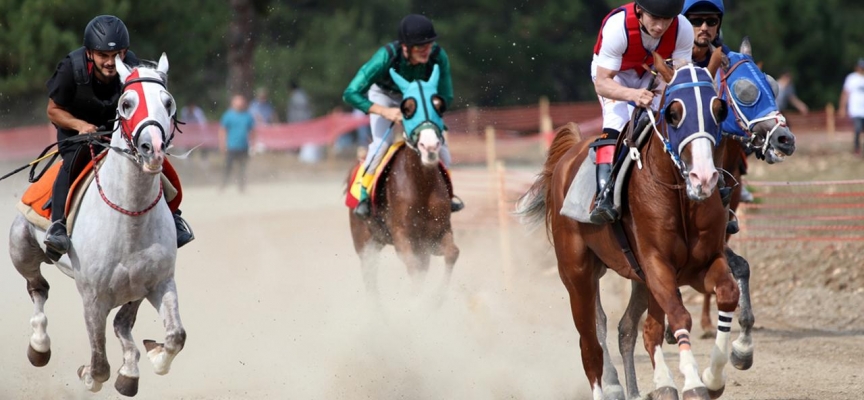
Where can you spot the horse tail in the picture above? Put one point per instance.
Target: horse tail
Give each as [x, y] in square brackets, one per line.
[531, 207]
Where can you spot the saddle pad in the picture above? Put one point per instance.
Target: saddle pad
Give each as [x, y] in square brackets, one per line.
[580, 194]
[352, 197]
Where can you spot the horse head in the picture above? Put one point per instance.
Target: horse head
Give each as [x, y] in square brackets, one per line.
[691, 114]
[755, 117]
[422, 108]
[145, 111]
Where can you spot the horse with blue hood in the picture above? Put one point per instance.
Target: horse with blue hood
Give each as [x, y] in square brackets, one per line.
[411, 193]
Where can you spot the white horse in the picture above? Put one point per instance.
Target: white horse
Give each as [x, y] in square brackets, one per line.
[124, 246]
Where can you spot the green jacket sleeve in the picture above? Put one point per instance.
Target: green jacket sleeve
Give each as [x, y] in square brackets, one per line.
[445, 83]
[369, 73]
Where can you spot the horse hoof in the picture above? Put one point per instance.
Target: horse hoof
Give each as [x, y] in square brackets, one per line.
[715, 394]
[151, 344]
[664, 393]
[36, 358]
[699, 393]
[126, 386]
[741, 361]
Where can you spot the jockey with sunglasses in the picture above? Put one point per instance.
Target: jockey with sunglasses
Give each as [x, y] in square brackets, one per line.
[373, 91]
[705, 16]
[622, 53]
[82, 96]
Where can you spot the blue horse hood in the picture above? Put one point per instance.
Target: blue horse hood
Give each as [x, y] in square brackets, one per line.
[423, 93]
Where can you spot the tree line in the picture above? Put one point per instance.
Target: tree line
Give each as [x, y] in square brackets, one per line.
[503, 52]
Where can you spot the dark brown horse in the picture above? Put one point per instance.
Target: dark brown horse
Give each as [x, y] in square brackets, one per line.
[411, 202]
[672, 219]
[411, 212]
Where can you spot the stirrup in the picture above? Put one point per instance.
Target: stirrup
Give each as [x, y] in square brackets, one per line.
[604, 211]
[56, 241]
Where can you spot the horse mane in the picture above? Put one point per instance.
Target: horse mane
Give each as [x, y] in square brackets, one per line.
[531, 207]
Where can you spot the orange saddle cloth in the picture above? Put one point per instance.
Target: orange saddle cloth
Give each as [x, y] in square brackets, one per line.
[36, 205]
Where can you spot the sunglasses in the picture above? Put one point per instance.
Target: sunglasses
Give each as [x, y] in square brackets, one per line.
[698, 21]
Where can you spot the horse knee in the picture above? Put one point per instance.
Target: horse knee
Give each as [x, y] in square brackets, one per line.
[727, 296]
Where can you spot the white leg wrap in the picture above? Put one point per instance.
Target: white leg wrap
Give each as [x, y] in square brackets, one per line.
[662, 374]
[714, 376]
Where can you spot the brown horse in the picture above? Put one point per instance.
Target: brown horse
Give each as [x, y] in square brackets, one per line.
[411, 203]
[412, 212]
[677, 238]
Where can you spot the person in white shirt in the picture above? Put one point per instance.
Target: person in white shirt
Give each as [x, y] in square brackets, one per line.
[621, 55]
[852, 101]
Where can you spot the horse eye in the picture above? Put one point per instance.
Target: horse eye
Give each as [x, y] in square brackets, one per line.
[126, 106]
[168, 103]
[439, 104]
[408, 107]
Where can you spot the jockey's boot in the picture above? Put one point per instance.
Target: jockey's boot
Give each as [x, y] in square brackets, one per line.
[746, 196]
[604, 208]
[56, 239]
[184, 232]
[364, 208]
[456, 204]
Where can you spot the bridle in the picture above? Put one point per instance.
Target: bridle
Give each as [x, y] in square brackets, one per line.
[745, 124]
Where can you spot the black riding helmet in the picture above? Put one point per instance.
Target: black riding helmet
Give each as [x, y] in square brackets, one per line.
[106, 33]
[416, 29]
[662, 8]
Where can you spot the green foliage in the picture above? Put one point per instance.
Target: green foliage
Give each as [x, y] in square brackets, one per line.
[503, 52]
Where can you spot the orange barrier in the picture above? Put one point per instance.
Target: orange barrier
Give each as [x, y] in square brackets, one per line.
[829, 211]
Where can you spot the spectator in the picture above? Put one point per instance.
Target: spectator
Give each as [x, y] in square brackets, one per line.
[299, 107]
[787, 95]
[236, 132]
[261, 108]
[192, 114]
[852, 101]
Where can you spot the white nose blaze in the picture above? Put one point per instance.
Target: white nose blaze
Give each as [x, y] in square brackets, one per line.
[429, 144]
[703, 176]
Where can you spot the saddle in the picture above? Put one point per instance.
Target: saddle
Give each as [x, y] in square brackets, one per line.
[582, 191]
[36, 202]
[352, 197]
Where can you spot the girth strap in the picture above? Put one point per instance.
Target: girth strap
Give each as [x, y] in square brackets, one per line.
[621, 237]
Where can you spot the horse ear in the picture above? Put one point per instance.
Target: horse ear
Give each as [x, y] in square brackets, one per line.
[662, 69]
[399, 80]
[163, 64]
[122, 69]
[436, 73]
[745, 47]
[716, 60]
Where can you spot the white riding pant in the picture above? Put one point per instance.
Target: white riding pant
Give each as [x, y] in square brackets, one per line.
[381, 140]
[616, 113]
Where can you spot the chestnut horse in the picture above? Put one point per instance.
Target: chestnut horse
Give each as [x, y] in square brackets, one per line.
[676, 230]
[411, 210]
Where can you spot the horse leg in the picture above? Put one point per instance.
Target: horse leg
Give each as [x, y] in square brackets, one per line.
[451, 254]
[742, 348]
[127, 376]
[407, 253]
[95, 315]
[652, 337]
[27, 257]
[612, 389]
[582, 285]
[708, 330]
[720, 278]
[628, 333]
[164, 300]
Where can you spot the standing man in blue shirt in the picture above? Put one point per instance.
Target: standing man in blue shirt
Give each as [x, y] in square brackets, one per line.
[236, 131]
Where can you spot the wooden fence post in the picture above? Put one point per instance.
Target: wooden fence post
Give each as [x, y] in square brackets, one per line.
[490, 149]
[545, 124]
[473, 116]
[504, 225]
[829, 119]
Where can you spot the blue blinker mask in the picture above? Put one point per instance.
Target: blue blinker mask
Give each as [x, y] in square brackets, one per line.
[418, 105]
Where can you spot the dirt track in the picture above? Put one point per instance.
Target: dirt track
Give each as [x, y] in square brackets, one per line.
[273, 302]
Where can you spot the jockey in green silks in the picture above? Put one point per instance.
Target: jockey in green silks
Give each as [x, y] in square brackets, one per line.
[374, 92]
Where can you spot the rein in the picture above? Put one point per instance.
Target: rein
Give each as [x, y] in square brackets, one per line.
[114, 205]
